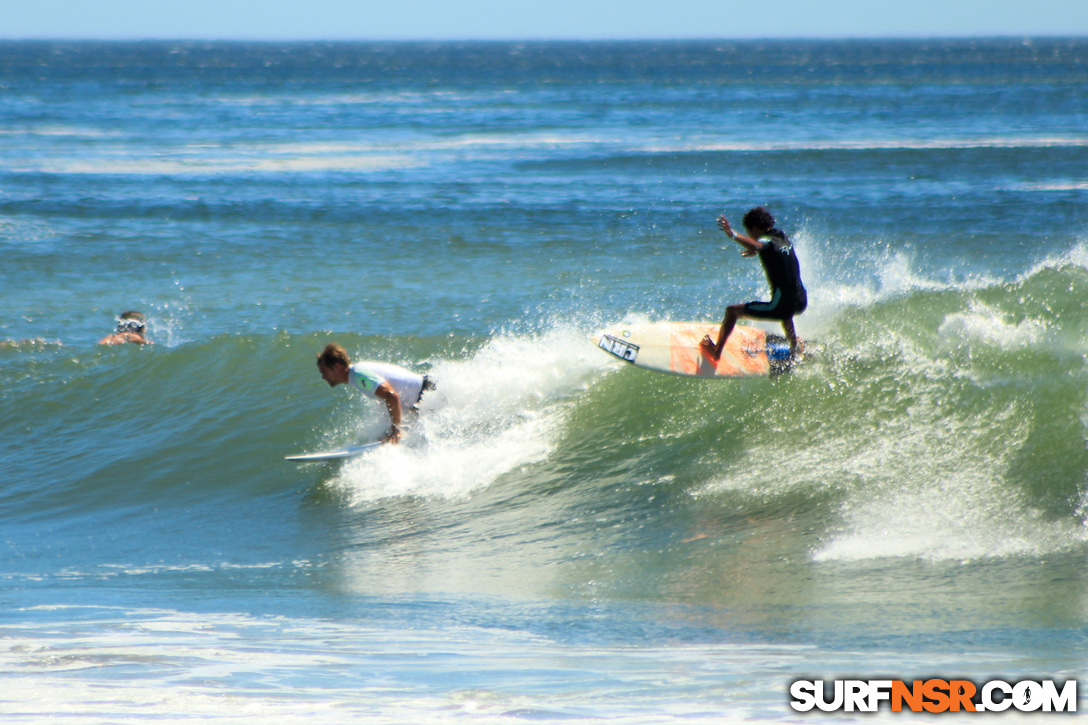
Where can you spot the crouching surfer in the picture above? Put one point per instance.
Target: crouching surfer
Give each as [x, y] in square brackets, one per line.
[397, 387]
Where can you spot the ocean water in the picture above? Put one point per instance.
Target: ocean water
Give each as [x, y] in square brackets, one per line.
[560, 538]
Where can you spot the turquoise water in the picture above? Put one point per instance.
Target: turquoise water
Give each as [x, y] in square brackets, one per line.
[561, 537]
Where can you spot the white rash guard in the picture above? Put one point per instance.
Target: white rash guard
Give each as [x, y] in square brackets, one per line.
[367, 376]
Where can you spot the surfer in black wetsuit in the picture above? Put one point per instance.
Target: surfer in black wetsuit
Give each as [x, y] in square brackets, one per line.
[788, 296]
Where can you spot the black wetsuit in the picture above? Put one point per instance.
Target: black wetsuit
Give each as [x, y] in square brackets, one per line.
[788, 295]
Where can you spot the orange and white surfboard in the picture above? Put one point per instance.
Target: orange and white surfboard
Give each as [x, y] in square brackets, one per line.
[673, 347]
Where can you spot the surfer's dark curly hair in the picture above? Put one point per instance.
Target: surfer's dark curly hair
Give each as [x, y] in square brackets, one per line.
[758, 218]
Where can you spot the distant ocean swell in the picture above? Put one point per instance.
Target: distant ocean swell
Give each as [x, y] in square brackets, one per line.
[119, 157]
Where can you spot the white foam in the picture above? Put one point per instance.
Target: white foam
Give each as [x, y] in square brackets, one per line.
[183, 163]
[113, 665]
[933, 487]
[1075, 255]
[119, 158]
[987, 325]
[493, 412]
[924, 480]
[880, 275]
[22, 231]
[1051, 186]
[874, 144]
[52, 130]
[961, 521]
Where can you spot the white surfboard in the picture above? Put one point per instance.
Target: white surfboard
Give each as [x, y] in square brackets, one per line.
[349, 452]
[673, 347]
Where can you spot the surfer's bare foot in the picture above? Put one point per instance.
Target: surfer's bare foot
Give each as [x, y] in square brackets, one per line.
[709, 347]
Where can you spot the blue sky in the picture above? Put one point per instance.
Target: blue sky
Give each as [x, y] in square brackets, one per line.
[536, 19]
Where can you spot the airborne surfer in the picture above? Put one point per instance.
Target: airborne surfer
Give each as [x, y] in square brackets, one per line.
[788, 295]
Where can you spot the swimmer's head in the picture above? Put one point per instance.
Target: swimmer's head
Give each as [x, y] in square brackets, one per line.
[131, 321]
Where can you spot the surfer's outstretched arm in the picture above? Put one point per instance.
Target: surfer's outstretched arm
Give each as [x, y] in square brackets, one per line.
[749, 247]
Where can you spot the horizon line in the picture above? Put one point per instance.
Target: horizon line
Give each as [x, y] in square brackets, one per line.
[469, 39]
